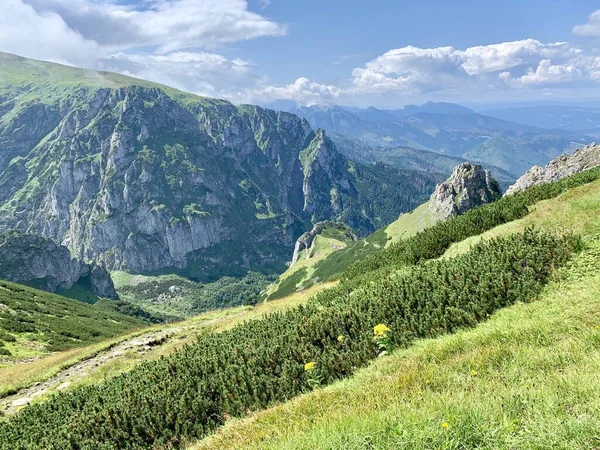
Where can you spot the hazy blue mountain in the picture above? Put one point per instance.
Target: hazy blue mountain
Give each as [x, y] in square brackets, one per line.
[450, 130]
[577, 119]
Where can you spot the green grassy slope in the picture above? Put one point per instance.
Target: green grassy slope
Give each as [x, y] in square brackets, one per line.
[46, 82]
[527, 378]
[301, 275]
[332, 261]
[34, 322]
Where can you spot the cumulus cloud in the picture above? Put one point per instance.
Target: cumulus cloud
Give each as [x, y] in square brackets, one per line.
[168, 25]
[591, 28]
[43, 35]
[178, 43]
[303, 91]
[207, 74]
[420, 70]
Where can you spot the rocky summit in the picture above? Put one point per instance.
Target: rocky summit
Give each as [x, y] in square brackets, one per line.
[41, 263]
[468, 186]
[142, 178]
[565, 165]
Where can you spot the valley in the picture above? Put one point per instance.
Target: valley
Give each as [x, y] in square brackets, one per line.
[201, 268]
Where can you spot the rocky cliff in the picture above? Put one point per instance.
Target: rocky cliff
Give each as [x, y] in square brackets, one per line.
[468, 186]
[41, 263]
[142, 178]
[561, 167]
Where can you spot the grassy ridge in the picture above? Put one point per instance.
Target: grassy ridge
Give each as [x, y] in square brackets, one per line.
[434, 241]
[258, 363]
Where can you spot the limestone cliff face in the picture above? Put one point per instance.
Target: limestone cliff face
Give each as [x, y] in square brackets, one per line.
[39, 262]
[565, 165]
[468, 186]
[139, 178]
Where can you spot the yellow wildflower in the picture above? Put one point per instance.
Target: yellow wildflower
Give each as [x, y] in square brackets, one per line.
[381, 330]
[340, 338]
[445, 425]
[474, 373]
[310, 366]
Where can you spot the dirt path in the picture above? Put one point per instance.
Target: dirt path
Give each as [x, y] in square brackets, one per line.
[141, 344]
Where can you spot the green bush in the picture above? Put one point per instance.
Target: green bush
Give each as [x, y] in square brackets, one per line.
[256, 364]
[434, 241]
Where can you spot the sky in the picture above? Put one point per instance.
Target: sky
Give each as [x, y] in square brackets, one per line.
[380, 53]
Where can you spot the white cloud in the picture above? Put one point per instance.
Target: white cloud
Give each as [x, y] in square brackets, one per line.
[207, 74]
[167, 25]
[419, 70]
[303, 91]
[175, 42]
[591, 28]
[42, 35]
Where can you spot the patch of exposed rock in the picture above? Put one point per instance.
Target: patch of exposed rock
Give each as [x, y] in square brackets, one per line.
[468, 186]
[307, 240]
[565, 165]
[41, 263]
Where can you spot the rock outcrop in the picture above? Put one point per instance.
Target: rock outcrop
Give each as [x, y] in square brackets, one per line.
[468, 186]
[306, 241]
[565, 165]
[39, 262]
[141, 178]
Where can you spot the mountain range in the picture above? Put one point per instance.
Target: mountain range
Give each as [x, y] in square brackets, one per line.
[447, 129]
[139, 177]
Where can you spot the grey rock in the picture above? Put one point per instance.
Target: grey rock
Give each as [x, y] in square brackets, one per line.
[565, 165]
[468, 186]
[306, 241]
[41, 263]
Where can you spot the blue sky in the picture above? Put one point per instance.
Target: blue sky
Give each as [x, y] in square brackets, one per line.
[381, 53]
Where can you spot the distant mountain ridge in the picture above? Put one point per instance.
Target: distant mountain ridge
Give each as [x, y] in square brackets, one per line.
[448, 129]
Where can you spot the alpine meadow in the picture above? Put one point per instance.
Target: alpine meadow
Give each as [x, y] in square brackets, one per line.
[263, 225]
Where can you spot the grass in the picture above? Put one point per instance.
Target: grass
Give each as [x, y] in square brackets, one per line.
[411, 223]
[34, 322]
[332, 256]
[527, 378]
[302, 274]
[574, 211]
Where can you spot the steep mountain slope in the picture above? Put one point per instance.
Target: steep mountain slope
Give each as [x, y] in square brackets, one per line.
[455, 132]
[34, 322]
[262, 362]
[143, 178]
[39, 262]
[527, 378]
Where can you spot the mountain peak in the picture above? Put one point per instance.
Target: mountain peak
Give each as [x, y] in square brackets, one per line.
[469, 186]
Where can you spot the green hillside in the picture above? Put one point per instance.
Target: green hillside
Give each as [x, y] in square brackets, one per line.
[525, 379]
[259, 363]
[34, 322]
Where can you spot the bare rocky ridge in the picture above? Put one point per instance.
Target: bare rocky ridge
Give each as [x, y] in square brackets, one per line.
[142, 179]
[468, 186]
[565, 165]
